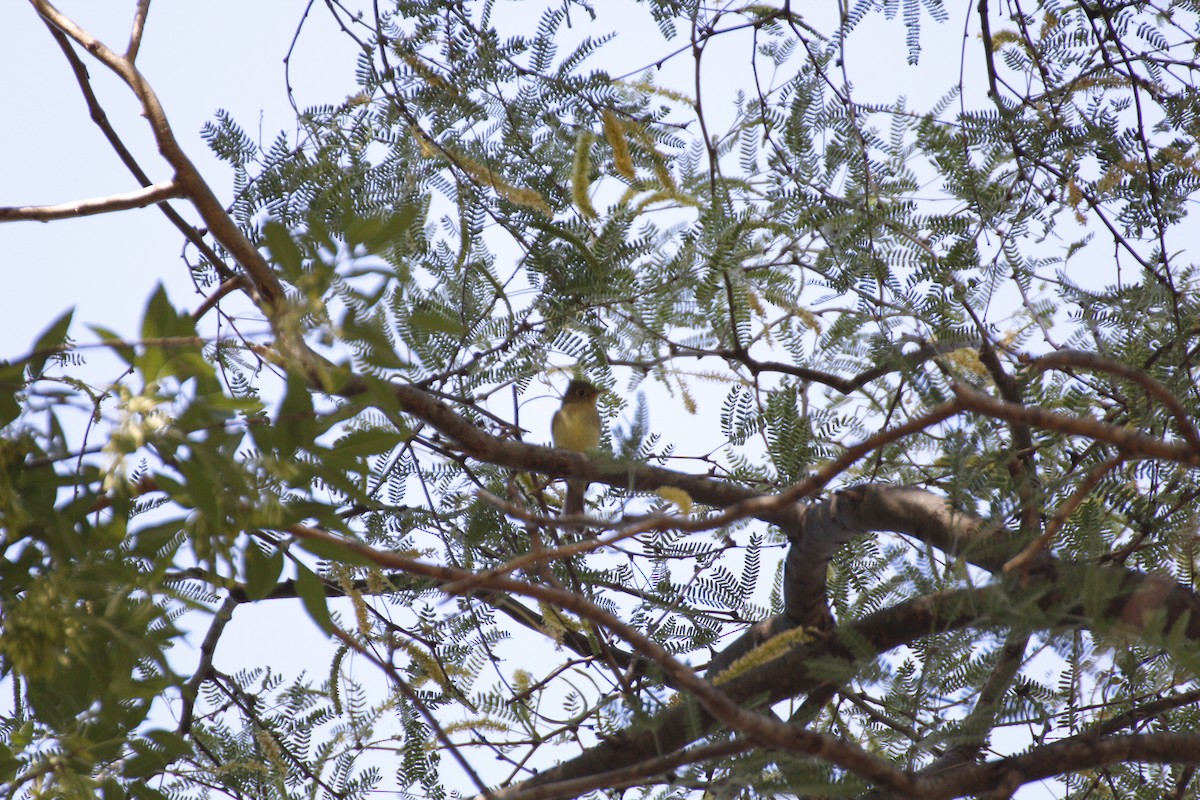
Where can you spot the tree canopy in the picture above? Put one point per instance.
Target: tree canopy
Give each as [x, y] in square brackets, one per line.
[897, 494]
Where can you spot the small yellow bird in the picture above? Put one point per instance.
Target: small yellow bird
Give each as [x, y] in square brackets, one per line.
[576, 426]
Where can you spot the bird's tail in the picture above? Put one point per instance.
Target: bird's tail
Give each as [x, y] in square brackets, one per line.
[576, 489]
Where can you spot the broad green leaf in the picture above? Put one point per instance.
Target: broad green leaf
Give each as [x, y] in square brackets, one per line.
[360, 443]
[162, 320]
[377, 231]
[312, 592]
[261, 570]
[379, 350]
[141, 791]
[50, 339]
[153, 753]
[335, 551]
[9, 764]
[150, 542]
[127, 353]
[295, 426]
[12, 384]
[284, 251]
[428, 319]
[382, 395]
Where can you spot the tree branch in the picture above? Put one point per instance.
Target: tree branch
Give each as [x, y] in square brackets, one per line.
[1067, 755]
[1135, 444]
[96, 112]
[1067, 359]
[633, 774]
[95, 205]
[269, 289]
[204, 668]
[139, 26]
[738, 502]
[715, 704]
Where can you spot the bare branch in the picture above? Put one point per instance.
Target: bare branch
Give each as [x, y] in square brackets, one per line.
[139, 25]
[95, 205]
[98, 116]
[266, 283]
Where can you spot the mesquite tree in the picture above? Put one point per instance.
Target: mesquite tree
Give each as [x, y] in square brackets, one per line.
[896, 495]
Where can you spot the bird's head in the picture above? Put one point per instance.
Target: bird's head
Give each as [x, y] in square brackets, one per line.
[580, 391]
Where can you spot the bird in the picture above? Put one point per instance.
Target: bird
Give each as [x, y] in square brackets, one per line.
[576, 426]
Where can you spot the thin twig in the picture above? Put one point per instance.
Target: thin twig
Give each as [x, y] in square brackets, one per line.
[407, 690]
[228, 285]
[1022, 560]
[204, 668]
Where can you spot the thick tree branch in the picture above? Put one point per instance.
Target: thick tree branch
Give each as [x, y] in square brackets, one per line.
[1135, 598]
[738, 502]
[633, 774]
[826, 525]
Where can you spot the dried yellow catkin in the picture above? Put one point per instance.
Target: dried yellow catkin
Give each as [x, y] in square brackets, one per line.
[581, 169]
[614, 134]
